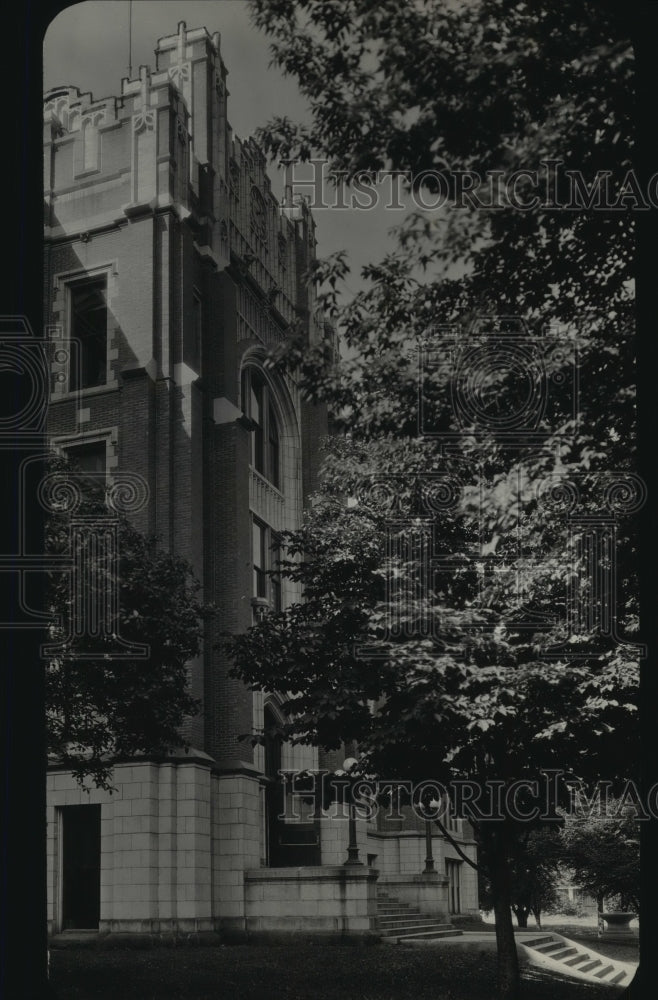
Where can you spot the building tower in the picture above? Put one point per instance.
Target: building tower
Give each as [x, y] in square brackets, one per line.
[170, 271]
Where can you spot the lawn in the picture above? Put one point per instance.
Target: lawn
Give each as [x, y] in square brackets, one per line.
[303, 972]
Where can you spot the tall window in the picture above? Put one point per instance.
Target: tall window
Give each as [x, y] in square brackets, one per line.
[275, 578]
[197, 333]
[89, 146]
[265, 441]
[259, 558]
[266, 552]
[88, 327]
[454, 885]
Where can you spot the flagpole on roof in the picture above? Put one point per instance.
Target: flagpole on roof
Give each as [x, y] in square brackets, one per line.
[130, 40]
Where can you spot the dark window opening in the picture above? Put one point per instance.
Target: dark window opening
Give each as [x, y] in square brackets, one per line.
[275, 578]
[265, 438]
[259, 558]
[266, 553]
[88, 334]
[454, 887]
[197, 334]
[89, 457]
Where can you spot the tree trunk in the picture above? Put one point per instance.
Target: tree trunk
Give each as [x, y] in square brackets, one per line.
[508, 962]
[521, 916]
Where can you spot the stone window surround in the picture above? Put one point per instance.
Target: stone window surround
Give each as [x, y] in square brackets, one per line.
[62, 322]
[110, 435]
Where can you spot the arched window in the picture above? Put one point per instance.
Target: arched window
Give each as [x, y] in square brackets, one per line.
[89, 146]
[265, 438]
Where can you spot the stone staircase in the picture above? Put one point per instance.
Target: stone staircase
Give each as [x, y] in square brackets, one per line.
[552, 951]
[399, 922]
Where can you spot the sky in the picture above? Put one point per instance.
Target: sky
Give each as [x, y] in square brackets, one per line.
[86, 46]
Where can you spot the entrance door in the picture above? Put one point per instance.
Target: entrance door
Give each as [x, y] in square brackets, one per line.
[289, 844]
[81, 867]
[454, 893]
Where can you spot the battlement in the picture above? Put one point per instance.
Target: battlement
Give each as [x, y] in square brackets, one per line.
[165, 144]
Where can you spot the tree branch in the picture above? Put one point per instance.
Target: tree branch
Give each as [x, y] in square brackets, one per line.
[456, 846]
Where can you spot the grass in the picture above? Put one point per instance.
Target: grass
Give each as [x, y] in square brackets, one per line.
[582, 930]
[301, 972]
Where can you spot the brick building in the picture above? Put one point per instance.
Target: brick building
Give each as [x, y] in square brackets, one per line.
[170, 270]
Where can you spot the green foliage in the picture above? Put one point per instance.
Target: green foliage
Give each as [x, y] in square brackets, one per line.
[492, 85]
[534, 873]
[603, 854]
[502, 86]
[104, 709]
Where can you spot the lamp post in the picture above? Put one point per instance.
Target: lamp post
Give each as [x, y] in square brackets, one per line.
[429, 859]
[352, 845]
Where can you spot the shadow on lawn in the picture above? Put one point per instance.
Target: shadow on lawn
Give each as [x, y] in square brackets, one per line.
[305, 972]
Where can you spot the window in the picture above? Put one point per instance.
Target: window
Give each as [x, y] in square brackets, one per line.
[265, 442]
[266, 553]
[273, 451]
[89, 146]
[454, 886]
[259, 558]
[88, 457]
[197, 333]
[88, 328]
[258, 213]
[275, 579]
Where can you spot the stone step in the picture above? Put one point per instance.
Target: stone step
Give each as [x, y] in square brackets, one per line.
[564, 953]
[414, 926]
[557, 950]
[398, 922]
[430, 935]
[592, 965]
[575, 957]
[583, 956]
[549, 947]
[413, 918]
[604, 972]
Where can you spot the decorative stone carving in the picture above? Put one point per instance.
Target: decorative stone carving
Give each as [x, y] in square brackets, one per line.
[258, 213]
[144, 121]
[179, 74]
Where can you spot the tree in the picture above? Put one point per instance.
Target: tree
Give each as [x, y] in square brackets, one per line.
[486, 86]
[533, 874]
[603, 855]
[101, 708]
[463, 703]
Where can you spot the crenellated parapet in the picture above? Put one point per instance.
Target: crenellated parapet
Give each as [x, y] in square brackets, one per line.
[165, 144]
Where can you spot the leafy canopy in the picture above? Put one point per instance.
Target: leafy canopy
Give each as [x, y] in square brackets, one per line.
[100, 710]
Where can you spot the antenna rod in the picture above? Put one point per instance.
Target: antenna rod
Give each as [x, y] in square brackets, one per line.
[130, 40]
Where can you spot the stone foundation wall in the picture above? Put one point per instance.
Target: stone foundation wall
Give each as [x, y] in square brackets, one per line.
[314, 901]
